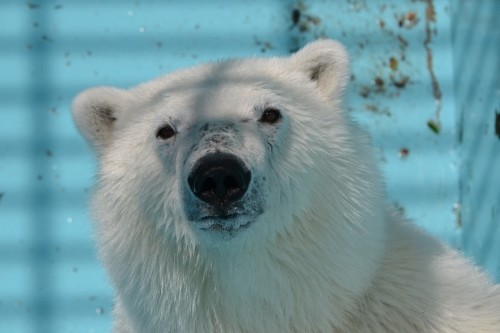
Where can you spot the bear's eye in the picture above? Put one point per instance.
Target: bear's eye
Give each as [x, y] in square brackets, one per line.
[165, 132]
[270, 116]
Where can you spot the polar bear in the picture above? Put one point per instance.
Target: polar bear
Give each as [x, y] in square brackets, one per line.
[239, 196]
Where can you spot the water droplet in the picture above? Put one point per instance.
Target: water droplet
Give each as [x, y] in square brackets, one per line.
[99, 310]
[130, 13]
[142, 29]
[69, 220]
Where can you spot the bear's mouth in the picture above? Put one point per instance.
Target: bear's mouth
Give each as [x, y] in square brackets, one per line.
[225, 224]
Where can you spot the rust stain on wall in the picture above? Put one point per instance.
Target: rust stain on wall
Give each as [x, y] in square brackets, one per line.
[430, 17]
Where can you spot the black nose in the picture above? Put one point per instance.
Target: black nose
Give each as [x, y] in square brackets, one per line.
[219, 179]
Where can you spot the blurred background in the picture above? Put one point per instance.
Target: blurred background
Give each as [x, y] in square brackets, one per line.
[425, 82]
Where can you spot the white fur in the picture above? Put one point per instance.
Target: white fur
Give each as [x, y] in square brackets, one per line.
[326, 254]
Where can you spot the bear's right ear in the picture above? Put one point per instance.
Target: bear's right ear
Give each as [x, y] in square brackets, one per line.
[96, 111]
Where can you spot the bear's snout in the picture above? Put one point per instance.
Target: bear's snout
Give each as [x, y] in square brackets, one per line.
[219, 179]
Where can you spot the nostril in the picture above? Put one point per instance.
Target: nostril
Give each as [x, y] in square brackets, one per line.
[232, 187]
[231, 183]
[208, 185]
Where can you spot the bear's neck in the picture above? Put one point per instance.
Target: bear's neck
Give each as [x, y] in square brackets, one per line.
[304, 280]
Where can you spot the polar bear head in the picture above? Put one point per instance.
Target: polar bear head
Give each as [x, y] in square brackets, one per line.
[233, 152]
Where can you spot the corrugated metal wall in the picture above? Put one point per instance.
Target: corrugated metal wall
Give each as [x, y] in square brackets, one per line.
[476, 50]
[425, 82]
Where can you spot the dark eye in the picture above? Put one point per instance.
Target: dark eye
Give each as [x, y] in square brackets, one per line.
[165, 132]
[270, 116]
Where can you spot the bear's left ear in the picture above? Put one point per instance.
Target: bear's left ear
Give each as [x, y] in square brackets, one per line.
[96, 111]
[325, 62]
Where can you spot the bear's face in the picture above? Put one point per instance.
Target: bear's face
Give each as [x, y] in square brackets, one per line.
[220, 150]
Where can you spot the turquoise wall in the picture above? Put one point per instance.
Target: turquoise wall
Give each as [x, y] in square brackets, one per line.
[425, 84]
